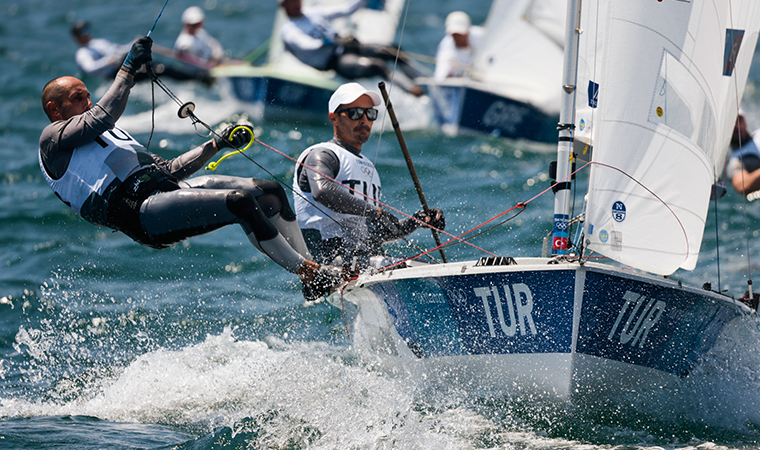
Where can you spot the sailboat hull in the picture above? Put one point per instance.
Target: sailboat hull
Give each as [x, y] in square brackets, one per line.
[462, 108]
[278, 98]
[287, 89]
[562, 331]
[300, 95]
[279, 94]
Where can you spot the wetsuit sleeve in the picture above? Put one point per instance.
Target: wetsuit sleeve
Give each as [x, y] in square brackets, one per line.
[188, 163]
[326, 166]
[59, 139]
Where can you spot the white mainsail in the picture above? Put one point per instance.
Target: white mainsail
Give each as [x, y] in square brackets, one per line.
[668, 76]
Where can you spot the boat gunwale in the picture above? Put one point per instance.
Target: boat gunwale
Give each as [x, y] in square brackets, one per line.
[534, 264]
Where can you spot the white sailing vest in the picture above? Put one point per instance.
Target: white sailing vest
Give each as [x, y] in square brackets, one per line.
[356, 172]
[93, 169]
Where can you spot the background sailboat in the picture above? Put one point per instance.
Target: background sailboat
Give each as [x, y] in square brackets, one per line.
[512, 88]
[286, 89]
[658, 93]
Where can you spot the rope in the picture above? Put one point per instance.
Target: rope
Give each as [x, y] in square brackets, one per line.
[745, 200]
[213, 165]
[156, 21]
[152, 112]
[737, 99]
[717, 236]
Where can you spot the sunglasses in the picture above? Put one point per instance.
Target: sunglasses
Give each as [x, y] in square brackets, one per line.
[357, 113]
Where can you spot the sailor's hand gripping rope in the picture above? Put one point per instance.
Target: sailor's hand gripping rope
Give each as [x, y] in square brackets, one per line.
[233, 137]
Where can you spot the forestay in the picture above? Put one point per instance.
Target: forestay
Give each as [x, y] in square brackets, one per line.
[658, 91]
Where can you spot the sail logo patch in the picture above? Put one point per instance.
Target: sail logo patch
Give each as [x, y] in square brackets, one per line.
[731, 52]
[603, 236]
[618, 211]
[593, 94]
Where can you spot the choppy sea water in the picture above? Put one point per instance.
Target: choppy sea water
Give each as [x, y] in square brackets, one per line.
[208, 344]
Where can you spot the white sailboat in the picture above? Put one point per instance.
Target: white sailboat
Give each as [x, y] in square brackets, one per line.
[287, 89]
[515, 70]
[657, 92]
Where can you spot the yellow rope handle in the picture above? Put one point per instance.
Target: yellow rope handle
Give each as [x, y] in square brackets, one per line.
[213, 165]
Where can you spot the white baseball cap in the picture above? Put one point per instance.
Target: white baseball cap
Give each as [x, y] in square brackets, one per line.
[193, 15]
[458, 22]
[348, 93]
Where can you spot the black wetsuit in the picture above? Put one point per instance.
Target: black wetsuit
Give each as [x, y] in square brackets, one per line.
[155, 202]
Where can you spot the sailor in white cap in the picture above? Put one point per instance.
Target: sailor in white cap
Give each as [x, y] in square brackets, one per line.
[455, 51]
[337, 190]
[194, 43]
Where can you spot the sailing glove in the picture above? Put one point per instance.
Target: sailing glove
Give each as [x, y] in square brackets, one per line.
[237, 140]
[435, 218]
[387, 226]
[138, 55]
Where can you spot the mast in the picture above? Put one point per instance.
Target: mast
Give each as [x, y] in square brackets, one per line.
[561, 189]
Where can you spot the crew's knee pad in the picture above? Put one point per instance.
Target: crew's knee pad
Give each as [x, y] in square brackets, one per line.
[244, 205]
[273, 188]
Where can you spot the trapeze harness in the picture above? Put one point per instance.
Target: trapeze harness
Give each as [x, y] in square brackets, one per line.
[108, 179]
